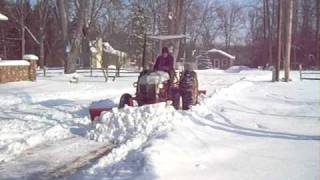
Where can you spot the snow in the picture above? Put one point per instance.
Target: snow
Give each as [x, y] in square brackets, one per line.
[221, 52]
[109, 49]
[30, 57]
[106, 103]
[168, 37]
[155, 78]
[237, 69]
[246, 127]
[14, 63]
[3, 17]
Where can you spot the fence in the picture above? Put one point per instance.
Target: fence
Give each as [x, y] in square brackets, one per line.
[308, 74]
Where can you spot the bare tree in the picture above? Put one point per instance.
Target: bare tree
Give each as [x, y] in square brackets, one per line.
[43, 17]
[268, 18]
[318, 32]
[231, 19]
[288, 36]
[176, 10]
[72, 44]
[279, 38]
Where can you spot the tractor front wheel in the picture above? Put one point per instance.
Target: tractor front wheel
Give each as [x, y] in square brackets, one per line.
[126, 99]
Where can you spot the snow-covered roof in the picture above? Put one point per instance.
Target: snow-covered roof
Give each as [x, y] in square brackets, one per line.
[30, 57]
[109, 49]
[14, 63]
[222, 53]
[168, 37]
[3, 17]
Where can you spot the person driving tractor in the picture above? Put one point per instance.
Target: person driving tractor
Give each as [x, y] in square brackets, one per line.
[164, 62]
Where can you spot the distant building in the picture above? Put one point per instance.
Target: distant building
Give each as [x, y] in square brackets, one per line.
[214, 58]
[221, 59]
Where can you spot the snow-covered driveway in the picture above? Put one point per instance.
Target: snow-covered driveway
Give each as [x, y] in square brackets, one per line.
[245, 128]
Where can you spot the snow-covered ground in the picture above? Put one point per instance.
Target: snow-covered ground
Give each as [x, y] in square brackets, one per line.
[246, 127]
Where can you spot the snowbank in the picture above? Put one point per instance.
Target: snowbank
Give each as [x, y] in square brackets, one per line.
[130, 128]
[122, 125]
[237, 69]
[14, 63]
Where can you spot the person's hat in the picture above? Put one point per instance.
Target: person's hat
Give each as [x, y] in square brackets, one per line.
[165, 50]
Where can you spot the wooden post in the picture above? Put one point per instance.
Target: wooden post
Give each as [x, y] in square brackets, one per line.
[288, 38]
[300, 71]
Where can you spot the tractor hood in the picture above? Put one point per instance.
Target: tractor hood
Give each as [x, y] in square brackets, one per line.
[156, 77]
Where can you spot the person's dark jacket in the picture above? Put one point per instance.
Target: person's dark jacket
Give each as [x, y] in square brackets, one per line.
[164, 64]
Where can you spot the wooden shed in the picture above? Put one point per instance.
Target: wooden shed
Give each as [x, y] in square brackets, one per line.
[221, 59]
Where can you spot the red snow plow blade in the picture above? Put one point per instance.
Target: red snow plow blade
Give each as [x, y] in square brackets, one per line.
[95, 112]
[97, 107]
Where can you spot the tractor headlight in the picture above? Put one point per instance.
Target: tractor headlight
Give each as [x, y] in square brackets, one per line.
[160, 86]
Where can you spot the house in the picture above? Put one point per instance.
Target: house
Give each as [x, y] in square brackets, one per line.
[103, 54]
[221, 59]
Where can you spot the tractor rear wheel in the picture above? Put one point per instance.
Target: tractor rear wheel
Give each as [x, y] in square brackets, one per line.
[176, 101]
[188, 89]
[126, 99]
[187, 100]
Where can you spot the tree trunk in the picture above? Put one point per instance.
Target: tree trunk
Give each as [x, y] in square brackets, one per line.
[269, 33]
[279, 38]
[42, 53]
[72, 49]
[317, 33]
[176, 24]
[23, 41]
[43, 12]
[288, 34]
[64, 30]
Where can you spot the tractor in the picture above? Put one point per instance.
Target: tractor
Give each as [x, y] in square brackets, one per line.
[179, 88]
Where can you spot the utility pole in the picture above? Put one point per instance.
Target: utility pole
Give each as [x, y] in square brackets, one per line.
[279, 38]
[288, 37]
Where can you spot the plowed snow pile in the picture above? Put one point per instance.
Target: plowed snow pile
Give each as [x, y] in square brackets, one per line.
[120, 126]
[128, 129]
